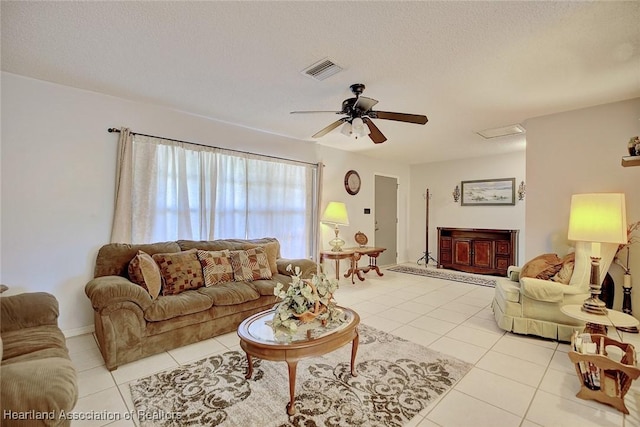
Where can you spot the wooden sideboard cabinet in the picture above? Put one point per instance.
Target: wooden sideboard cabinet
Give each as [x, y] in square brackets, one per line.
[477, 250]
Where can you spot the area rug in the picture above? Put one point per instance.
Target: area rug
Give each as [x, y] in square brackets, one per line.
[396, 380]
[445, 275]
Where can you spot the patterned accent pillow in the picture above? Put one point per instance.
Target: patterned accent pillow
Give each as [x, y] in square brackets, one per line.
[271, 249]
[144, 271]
[180, 271]
[216, 267]
[250, 264]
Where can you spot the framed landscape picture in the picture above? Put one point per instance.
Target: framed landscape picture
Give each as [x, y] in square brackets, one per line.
[489, 192]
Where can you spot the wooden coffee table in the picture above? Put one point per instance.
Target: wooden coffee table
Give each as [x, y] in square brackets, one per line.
[258, 339]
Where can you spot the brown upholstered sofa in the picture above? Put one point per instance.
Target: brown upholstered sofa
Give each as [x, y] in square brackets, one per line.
[38, 383]
[131, 324]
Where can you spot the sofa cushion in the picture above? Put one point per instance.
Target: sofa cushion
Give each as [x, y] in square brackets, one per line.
[508, 290]
[265, 287]
[42, 386]
[542, 267]
[113, 258]
[272, 249]
[210, 245]
[250, 264]
[216, 266]
[144, 271]
[33, 343]
[168, 307]
[230, 293]
[180, 271]
[565, 272]
[229, 244]
[27, 310]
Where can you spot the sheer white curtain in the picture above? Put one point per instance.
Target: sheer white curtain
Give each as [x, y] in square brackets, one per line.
[123, 210]
[186, 191]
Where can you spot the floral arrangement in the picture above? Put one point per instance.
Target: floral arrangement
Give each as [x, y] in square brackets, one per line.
[631, 239]
[306, 300]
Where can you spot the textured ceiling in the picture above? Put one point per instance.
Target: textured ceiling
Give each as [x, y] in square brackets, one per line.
[468, 66]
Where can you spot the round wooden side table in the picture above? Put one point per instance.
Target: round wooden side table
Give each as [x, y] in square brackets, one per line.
[597, 323]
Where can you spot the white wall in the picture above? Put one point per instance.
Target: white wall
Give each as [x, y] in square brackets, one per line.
[335, 170]
[441, 178]
[58, 173]
[580, 152]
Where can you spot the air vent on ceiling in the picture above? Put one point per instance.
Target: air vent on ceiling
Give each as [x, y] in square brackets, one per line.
[501, 131]
[322, 69]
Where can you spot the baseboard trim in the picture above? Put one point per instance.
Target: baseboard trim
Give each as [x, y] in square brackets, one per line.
[79, 331]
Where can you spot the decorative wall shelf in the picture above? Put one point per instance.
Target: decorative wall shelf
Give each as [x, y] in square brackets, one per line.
[631, 161]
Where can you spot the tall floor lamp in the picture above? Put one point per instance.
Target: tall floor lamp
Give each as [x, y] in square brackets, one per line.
[597, 218]
[336, 214]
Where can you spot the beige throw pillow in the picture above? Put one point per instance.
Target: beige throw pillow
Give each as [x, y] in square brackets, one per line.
[180, 271]
[216, 267]
[564, 274]
[250, 264]
[144, 271]
[542, 267]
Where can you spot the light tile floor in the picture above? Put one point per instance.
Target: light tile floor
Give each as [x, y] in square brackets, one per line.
[516, 380]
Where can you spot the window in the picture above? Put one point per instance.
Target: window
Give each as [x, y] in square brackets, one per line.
[187, 191]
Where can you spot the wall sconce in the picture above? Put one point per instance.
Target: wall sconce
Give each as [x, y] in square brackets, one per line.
[456, 194]
[521, 191]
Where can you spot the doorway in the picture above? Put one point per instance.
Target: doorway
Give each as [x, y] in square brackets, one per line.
[386, 218]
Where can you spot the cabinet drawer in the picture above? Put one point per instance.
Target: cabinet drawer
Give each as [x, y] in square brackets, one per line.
[502, 263]
[503, 247]
[445, 243]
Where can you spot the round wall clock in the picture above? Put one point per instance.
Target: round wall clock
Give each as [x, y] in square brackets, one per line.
[352, 182]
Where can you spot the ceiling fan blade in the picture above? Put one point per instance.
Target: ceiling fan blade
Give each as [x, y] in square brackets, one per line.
[376, 136]
[312, 112]
[329, 128]
[364, 104]
[399, 117]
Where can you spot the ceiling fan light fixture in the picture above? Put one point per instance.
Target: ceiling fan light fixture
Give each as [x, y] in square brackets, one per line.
[358, 126]
[346, 129]
[502, 131]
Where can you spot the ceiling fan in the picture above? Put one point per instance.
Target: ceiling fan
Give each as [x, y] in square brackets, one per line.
[359, 114]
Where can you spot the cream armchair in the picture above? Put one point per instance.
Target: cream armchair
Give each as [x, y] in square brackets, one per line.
[531, 306]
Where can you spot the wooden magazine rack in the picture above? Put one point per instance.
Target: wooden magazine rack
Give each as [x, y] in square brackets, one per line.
[603, 379]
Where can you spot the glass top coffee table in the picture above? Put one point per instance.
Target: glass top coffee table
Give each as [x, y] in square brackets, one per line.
[258, 339]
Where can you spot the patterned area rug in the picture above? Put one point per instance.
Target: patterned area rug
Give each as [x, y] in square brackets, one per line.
[446, 275]
[396, 380]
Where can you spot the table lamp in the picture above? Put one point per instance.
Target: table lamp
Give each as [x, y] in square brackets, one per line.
[336, 214]
[597, 218]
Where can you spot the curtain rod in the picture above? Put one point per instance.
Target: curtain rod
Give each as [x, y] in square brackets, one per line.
[111, 130]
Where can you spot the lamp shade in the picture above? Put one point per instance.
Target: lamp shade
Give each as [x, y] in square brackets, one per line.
[598, 217]
[336, 213]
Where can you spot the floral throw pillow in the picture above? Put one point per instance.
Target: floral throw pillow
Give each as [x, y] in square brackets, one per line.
[216, 267]
[250, 264]
[180, 271]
